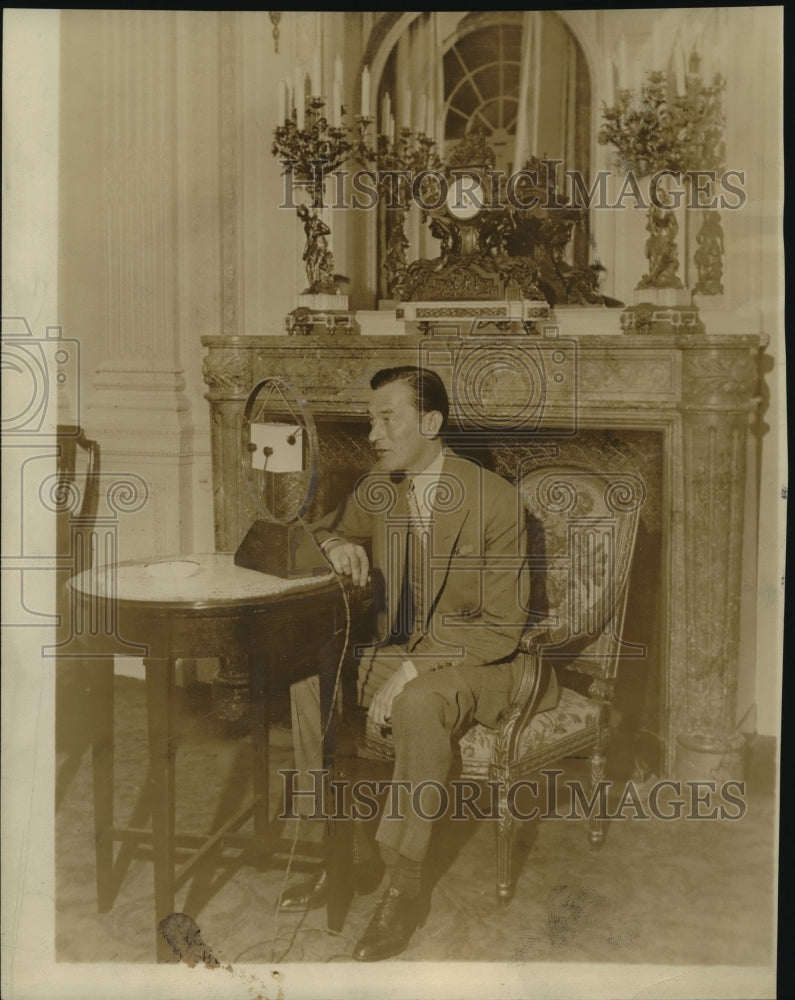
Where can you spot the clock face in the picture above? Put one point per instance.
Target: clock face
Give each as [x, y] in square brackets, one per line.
[465, 198]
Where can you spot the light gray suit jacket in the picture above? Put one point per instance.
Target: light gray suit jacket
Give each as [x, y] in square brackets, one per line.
[480, 581]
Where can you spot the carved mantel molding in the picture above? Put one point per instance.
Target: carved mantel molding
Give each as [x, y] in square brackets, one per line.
[698, 392]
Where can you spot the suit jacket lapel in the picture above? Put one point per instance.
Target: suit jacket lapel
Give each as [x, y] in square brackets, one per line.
[447, 523]
[393, 561]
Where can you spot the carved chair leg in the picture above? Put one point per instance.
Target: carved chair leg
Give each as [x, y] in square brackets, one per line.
[506, 827]
[596, 825]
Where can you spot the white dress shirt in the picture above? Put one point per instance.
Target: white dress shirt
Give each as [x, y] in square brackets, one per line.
[425, 484]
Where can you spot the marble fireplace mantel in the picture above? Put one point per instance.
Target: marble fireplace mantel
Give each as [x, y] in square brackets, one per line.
[699, 393]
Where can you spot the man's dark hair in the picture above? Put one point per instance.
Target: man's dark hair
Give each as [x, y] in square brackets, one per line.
[428, 389]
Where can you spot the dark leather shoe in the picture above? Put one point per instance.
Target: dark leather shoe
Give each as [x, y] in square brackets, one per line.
[312, 893]
[307, 895]
[396, 918]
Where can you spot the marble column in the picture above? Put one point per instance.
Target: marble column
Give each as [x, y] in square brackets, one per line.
[227, 372]
[719, 395]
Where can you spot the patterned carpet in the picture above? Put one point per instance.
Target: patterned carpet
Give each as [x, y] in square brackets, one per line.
[669, 892]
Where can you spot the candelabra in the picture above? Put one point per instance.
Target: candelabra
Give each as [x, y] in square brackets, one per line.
[658, 129]
[309, 152]
[397, 162]
[707, 150]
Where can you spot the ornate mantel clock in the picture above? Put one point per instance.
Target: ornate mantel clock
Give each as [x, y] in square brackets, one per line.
[492, 248]
[466, 196]
[472, 225]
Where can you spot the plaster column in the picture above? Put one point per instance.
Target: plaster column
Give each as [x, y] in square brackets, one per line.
[144, 284]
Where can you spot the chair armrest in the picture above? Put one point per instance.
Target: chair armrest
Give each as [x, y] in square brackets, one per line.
[537, 634]
[532, 687]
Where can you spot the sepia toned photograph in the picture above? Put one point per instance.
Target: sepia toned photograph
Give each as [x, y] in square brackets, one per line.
[394, 499]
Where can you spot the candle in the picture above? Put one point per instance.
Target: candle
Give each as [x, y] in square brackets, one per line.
[315, 81]
[623, 82]
[707, 72]
[423, 112]
[610, 94]
[390, 131]
[696, 36]
[386, 113]
[679, 69]
[336, 101]
[282, 112]
[656, 47]
[300, 96]
[338, 71]
[405, 111]
[430, 121]
[366, 92]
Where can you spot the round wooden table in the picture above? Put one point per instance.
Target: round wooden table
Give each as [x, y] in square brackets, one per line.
[180, 607]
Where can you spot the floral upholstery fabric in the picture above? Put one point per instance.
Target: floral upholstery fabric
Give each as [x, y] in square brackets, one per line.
[575, 549]
[550, 731]
[582, 527]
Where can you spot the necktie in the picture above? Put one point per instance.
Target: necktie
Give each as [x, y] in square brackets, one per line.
[417, 560]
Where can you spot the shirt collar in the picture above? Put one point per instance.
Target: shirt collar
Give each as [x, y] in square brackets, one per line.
[434, 469]
[425, 483]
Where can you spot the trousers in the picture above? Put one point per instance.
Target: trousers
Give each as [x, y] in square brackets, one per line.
[427, 716]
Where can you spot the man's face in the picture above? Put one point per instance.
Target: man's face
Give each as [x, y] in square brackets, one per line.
[403, 440]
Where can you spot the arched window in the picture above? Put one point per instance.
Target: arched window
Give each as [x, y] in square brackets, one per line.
[523, 78]
[481, 84]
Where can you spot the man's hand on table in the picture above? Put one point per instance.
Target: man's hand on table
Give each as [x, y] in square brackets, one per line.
[349, 560]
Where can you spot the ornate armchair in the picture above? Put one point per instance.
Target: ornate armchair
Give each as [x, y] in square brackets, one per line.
[582, 529]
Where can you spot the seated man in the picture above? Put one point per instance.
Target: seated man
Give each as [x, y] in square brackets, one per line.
[449, 574]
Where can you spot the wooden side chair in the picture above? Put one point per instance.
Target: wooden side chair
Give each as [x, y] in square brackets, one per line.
[78, 488]
[78, 481]
[582, 530]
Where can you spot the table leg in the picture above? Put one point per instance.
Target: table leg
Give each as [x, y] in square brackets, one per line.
[260, 747]
[99, 680]
[339, 835]
[162, 751]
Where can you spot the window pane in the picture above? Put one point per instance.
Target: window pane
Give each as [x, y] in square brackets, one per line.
[465, 99]
[488, 80]
[480, 46]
